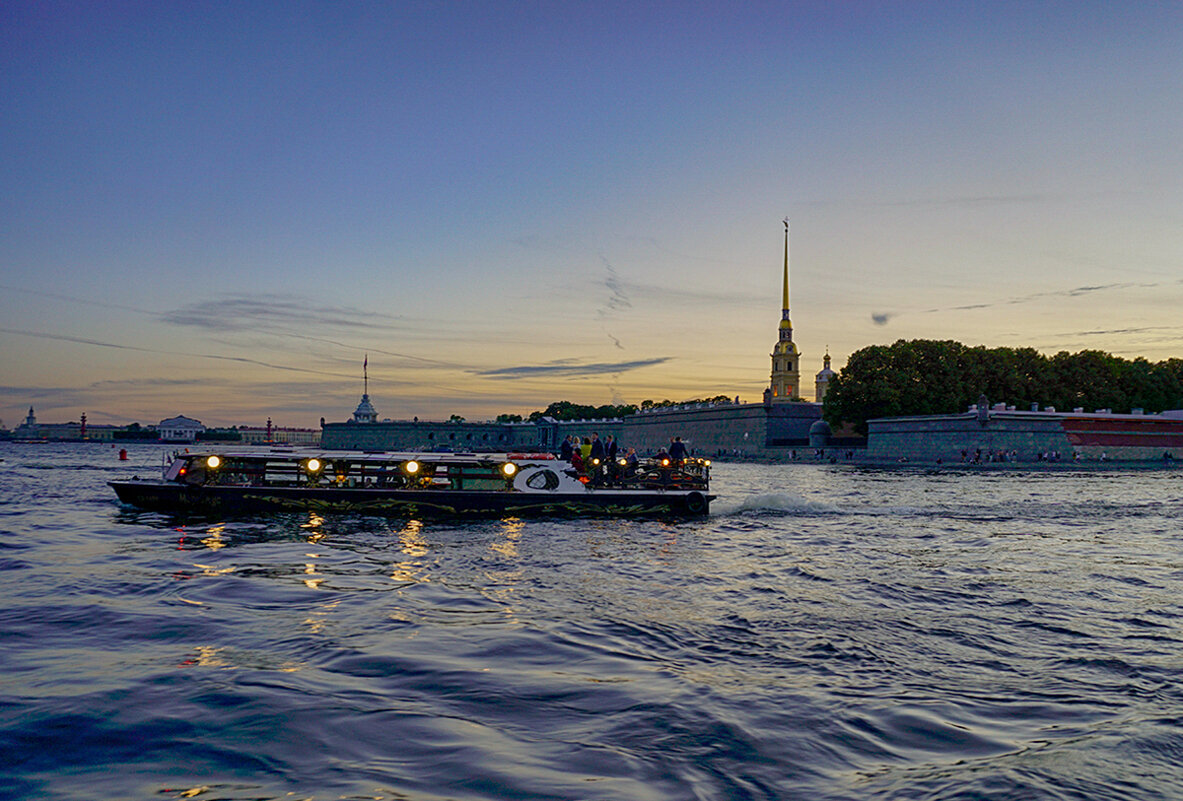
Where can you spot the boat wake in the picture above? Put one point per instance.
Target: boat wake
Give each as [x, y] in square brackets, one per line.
[772, 502]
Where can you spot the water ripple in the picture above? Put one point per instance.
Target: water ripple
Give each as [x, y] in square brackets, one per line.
[827, 633]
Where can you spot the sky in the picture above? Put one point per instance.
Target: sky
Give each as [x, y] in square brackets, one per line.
[223, 209]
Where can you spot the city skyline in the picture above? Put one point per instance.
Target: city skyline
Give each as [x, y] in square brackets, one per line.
[220, 210]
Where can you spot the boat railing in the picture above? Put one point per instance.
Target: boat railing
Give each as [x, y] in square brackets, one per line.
[478, 473]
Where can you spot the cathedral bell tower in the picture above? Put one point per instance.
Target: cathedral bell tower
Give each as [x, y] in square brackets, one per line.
[786, 360]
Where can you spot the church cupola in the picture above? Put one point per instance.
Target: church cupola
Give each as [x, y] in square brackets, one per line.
[786, 359]
[822, 385]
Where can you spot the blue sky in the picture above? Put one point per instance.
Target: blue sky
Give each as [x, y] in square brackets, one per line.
[217, 209]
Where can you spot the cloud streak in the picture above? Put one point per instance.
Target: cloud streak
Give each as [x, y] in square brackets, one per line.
[882, 318]
[286, 316]
[274, 313]
[567, 369]
[618, 299]
[958, 201]
[214, 356]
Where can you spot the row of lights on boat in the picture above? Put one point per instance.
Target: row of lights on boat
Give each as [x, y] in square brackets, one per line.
[411, 467]
[315, 465]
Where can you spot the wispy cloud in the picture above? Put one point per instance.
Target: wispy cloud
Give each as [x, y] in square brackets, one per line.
[78, 340]
[215, 356]
[286, 316]
[955, 201]
[274, 313]
[882, 318]
[618, 299]
[71, 299]
[565, 368]
[127, 383]
[1122, 331]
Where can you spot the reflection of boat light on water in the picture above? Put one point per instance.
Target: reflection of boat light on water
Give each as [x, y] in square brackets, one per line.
[418, 485]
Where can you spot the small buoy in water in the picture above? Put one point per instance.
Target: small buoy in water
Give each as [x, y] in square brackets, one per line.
[123, 454]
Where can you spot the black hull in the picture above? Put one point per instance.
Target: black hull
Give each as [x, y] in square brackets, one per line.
[164, 496]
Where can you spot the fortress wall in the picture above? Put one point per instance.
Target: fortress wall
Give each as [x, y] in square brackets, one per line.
[413, 435]
[927, 439]
[789, 424]
[706, 430]
[1028, 435]
[751, 430]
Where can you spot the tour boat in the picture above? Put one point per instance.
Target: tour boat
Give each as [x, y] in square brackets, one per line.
[236, 480]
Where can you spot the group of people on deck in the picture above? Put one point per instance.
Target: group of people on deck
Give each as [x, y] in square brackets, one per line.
[582, 454]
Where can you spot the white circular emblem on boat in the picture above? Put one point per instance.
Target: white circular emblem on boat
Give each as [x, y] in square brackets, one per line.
[542, 480]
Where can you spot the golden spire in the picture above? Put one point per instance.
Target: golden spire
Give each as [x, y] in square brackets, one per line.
[784, 315]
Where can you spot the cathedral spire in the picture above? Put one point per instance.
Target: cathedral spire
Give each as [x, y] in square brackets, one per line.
[785, 307]
[786, 377]
[365, 412]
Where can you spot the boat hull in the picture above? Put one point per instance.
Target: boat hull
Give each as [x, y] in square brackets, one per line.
[172, 497]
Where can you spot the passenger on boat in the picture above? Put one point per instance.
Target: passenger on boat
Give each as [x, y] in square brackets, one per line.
[597, 448]
[678, 451]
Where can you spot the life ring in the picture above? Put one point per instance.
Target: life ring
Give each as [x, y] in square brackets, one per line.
[696, 503]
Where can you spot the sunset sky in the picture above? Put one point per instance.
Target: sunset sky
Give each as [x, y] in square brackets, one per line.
[218, 209]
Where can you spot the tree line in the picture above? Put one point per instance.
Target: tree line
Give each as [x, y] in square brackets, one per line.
[924, 376]
[566, 410]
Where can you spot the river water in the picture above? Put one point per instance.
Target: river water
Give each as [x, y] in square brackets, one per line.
[829, 632]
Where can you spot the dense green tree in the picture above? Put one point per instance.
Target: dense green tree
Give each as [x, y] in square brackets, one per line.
[942, 377]
[565, 410]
